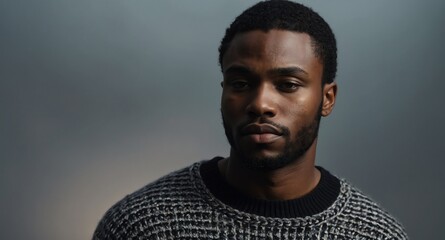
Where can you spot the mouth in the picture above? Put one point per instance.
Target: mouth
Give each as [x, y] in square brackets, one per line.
[261, 133]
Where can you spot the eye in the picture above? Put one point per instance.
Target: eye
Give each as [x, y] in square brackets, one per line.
[288, 86]
[239, 85]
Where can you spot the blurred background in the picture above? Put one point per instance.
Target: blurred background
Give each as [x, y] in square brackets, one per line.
[99, 98]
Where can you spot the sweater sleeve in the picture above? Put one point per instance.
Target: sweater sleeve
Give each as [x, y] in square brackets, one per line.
[115, 224]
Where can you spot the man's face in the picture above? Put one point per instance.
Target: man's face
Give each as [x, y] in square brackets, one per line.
[272, 97]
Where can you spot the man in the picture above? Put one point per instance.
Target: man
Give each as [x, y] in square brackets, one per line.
[278, 61]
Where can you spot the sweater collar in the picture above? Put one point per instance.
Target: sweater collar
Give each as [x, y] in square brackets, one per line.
[316, 201]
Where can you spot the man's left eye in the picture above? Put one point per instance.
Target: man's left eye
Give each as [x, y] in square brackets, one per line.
[288, 86]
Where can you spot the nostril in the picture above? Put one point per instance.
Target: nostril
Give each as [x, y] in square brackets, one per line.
[253, 114]
[269, 114]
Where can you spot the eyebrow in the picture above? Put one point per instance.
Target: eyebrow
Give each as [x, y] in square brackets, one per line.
[274, 71]
[238, 70]
[288, 71]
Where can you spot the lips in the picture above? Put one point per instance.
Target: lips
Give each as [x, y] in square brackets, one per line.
[261, 133]
[254, 128]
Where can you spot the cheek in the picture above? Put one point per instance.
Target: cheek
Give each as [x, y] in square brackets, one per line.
[310, 100]
[301, 111]
[231, 107]
[295, 115]
[295, 105]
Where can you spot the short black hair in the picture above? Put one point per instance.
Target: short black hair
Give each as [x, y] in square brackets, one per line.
[286, 15]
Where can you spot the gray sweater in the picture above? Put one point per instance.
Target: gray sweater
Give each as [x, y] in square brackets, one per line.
[181, 206]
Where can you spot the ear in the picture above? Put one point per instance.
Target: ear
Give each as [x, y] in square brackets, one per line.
[329, 94]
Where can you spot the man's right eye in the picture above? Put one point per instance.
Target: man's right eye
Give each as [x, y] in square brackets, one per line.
[239, 85]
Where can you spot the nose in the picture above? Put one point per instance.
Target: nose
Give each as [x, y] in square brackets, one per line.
[262, 102]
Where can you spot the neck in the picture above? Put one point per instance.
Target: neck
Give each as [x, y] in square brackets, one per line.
[290, 182]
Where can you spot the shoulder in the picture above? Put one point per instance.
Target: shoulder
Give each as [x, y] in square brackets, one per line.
[141, 209]
[365, 216]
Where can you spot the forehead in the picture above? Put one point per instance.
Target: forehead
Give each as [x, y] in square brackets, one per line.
[273, 47]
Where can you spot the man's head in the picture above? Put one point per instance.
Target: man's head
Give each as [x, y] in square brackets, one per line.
[290, 16]
[276, 82]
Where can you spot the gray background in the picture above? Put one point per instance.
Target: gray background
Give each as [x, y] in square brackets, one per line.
[100, 97]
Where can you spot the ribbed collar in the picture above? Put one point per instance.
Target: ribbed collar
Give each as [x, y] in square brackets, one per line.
[316, 201]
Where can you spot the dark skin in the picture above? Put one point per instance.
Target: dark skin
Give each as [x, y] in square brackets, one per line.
[274, 77]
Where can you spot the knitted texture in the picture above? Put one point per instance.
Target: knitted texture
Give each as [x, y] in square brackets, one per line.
[179, 206]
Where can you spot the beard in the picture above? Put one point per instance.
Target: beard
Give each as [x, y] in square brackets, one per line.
[292, 150]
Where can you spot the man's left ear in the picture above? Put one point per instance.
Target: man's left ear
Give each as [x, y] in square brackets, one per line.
[329, 94]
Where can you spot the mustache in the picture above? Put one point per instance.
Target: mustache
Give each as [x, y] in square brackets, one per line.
[284, 130]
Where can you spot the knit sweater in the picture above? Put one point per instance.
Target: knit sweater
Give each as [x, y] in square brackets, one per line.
[196, 203]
